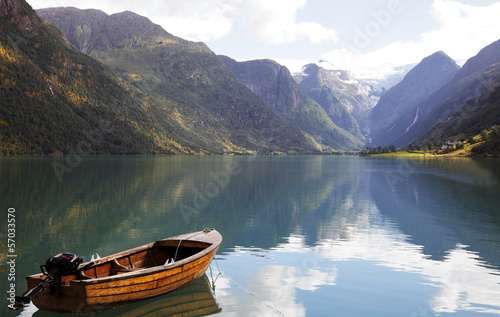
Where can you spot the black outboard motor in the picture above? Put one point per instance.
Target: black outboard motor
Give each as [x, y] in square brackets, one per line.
[65, 263]
[62, 264]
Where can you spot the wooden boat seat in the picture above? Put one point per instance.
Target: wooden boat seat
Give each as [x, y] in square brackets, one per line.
[117, 268]
[82, 276]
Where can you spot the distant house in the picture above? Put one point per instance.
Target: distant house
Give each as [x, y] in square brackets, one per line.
[449, 145]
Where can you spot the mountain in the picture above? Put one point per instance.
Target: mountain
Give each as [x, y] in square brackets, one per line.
[55, 99]
[477, 114]
[276, 86]
[192, 95]
[476, 80]
[387, 118]
[345, 100]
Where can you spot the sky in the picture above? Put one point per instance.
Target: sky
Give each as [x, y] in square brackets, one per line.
[355, 35]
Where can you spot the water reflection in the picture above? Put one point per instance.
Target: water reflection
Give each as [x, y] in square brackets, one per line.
[462, 280]
[303, 236]
[417, 228]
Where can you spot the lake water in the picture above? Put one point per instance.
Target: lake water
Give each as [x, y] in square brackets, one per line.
[303, 235]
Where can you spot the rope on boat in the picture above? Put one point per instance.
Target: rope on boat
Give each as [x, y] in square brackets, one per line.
[176, 250]
[277, 312]
[206, 230]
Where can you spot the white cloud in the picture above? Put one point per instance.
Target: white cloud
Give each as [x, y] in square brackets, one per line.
[463, 31]
[275, 22]
[198, 20]
[315, 32]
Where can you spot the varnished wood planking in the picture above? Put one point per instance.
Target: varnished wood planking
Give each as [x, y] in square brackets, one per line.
[141, 295]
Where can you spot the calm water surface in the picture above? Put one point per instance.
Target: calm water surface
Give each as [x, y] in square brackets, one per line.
[303, 236]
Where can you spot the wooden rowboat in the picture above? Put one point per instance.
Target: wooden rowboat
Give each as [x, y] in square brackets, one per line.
[143, 272]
